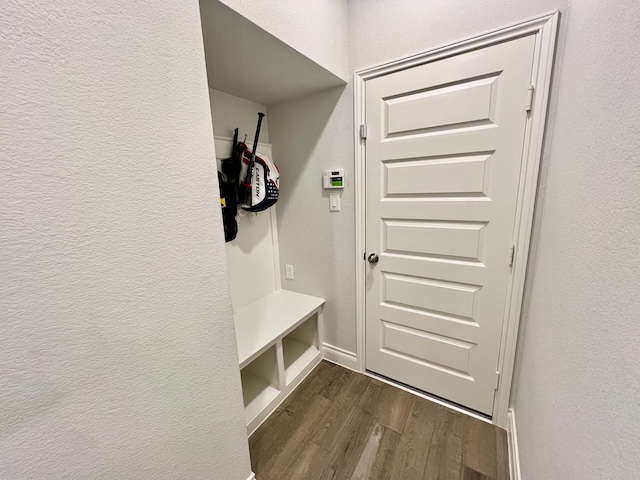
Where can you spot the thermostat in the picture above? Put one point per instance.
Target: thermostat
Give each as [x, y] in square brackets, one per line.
[333, 178]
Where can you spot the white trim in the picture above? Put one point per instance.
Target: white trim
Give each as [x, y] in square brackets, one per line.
[252, 476]
[545, 29]
[532, 154]
[531, 26]
[276, 248]
[359, 182]
[340, 356]
[512, 444]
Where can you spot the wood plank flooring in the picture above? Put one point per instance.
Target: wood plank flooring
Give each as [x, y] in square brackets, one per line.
[339, 424]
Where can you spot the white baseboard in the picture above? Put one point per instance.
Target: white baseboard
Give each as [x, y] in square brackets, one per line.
[252, 476]
[340, 356]
[512, 442]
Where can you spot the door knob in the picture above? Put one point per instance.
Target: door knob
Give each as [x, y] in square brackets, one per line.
[373, 258]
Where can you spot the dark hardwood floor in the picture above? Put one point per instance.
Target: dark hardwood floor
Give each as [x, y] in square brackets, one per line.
[340, 424]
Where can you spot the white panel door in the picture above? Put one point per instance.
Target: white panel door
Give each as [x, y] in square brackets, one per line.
[443, 155]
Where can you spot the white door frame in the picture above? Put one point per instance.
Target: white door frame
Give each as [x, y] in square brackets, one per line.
[545, 28]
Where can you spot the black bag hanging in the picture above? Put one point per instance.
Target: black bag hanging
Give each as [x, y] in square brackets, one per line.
[228, 185]
[229, 204]
[231, 166]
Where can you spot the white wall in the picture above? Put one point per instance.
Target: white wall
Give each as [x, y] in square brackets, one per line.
[229, 112]
[316, 133]
[577, 397]
[383, 30]
[317, 28]
[250, 257]
[117, 351]
[310, 135]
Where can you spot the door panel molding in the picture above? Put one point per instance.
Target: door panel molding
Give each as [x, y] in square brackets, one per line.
[545, 29]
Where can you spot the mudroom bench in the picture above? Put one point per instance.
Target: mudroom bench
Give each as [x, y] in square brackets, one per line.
[279, 343]
[278, 332]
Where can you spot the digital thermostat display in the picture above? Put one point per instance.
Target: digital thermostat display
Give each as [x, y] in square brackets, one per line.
[333, 178]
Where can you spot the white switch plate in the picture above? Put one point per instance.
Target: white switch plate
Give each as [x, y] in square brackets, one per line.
[288, 271]
[334, 202]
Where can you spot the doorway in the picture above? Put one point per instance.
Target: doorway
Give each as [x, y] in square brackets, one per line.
[447, 163]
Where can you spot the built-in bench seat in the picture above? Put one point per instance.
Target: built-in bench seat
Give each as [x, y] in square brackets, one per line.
[279, 343]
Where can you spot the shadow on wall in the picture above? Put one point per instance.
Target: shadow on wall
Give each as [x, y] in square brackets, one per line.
[308, 135]
[258, 225]
[299, 124]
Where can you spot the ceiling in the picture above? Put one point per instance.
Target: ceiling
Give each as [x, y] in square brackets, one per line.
[247, 61]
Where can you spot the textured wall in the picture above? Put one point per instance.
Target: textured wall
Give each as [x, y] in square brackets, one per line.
[317, 28]
[311, 135]
[577, 397]
[578, 394]
[117, 348]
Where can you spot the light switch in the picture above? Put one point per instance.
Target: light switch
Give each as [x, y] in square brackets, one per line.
[334, 202]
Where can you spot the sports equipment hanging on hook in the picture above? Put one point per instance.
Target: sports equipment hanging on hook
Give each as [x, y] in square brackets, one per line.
[260, 187]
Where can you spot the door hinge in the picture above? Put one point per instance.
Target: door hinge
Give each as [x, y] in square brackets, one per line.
[529, 98]
[363, 131]
[512, 254]
[495, 387]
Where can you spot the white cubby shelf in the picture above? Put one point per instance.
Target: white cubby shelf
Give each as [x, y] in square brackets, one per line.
[279, 343]
[278, 332]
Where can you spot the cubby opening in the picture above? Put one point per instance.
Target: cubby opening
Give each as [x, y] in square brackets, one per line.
[260, 383]
[299, 348]
[278, 331]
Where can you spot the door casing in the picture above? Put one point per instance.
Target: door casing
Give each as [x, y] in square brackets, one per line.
[545, 28]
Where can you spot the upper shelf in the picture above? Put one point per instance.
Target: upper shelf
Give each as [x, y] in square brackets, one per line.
[246, 61]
